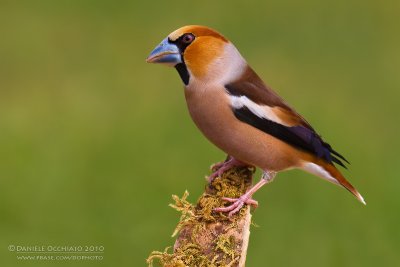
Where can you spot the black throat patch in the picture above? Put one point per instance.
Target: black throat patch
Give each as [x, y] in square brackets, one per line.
[181, 67]
[183, 72]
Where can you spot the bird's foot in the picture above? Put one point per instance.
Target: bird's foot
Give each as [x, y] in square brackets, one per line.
[221, 167]
[238, 203]
[218, 165]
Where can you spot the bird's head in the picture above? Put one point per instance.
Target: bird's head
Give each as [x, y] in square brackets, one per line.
[197, 52]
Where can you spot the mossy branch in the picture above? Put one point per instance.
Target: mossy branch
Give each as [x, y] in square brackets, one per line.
[206, 238]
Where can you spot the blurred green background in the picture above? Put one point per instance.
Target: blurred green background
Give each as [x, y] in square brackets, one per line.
[94, 141]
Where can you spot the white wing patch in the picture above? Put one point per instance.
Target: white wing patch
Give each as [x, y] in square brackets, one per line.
[319, 171]
[260, 111]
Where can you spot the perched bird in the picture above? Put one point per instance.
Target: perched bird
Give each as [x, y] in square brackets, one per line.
[241, 115]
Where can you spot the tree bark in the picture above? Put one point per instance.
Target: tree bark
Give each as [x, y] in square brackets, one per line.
[207, 238]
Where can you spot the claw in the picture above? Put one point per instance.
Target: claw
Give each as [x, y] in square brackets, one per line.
[216, 174]
[222, 167]
[238, 203]
[250, 201]
[216, 166]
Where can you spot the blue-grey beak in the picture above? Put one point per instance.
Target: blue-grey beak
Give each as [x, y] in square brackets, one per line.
[165, 53]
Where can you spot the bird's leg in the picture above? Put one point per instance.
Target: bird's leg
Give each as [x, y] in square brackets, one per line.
[238, 203]
[221, 167]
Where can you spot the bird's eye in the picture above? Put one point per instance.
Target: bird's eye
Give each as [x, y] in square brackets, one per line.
[188, 38]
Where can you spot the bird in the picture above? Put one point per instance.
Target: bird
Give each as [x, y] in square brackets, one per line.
[242, 115]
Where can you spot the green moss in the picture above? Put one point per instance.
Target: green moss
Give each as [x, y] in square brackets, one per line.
[196, 218]
[226, 244]
[188, 255]
[187, 210]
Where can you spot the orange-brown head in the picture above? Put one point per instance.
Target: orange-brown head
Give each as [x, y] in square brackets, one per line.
[191, 50]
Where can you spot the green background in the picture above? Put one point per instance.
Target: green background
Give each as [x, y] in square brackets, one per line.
[94, 141]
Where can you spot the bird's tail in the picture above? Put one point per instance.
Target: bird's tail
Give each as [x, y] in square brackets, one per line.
[329, 172]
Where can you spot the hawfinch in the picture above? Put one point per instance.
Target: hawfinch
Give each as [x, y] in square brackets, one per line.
[243, 116]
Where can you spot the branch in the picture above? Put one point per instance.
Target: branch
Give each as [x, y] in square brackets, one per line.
[206, 238]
